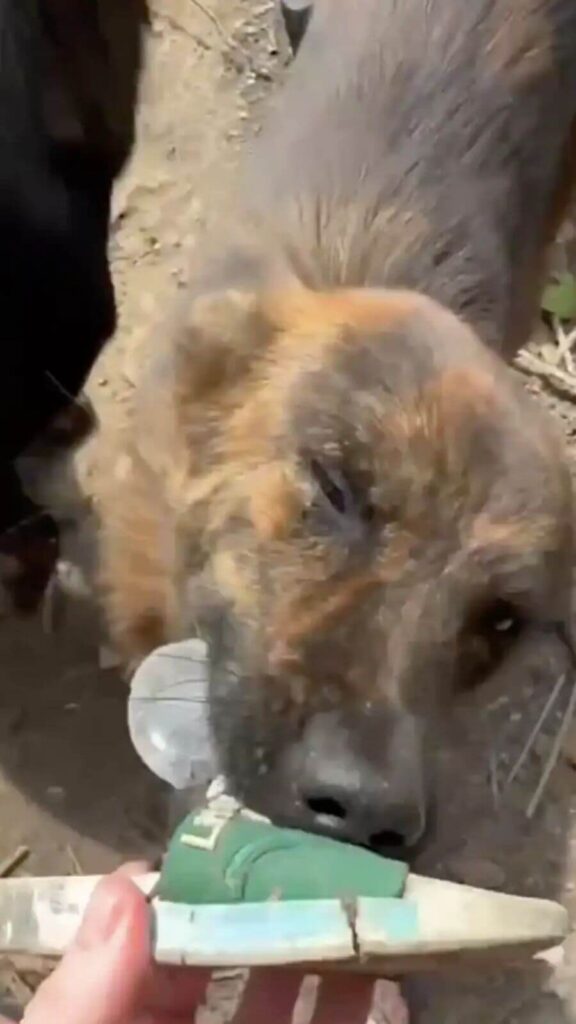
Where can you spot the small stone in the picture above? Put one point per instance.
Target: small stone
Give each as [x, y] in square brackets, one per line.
[56, 793]
[476, 871]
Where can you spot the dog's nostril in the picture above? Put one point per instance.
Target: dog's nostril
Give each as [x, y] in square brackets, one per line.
[326, 807]
[387, 840]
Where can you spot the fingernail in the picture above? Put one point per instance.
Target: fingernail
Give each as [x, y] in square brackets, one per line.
[103, 915]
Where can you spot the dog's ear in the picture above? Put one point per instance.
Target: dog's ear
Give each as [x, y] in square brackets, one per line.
[219, 337]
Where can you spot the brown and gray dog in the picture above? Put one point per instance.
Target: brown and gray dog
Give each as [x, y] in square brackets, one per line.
[332, 473]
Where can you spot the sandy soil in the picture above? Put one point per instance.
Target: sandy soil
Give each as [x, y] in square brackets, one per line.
[71, 789]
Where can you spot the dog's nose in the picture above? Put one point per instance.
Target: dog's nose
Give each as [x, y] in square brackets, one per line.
[347, 785]
[363, 809]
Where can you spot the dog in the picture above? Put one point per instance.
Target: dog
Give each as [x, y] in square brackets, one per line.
[331, 473]
[295, 16]
[68, 93]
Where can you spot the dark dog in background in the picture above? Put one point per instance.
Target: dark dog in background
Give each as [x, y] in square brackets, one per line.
[331, 471]
[68, 89]
[296, 15]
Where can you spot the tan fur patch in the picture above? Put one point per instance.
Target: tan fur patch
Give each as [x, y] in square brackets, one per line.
[521, 534]
[320, 314]
[454, 398]
[521, 44]
[306, 323]
[304, 622]
[274, 502]
[231, 581]
[138, 549]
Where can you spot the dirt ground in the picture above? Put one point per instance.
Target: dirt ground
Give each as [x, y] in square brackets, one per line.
[71, 789]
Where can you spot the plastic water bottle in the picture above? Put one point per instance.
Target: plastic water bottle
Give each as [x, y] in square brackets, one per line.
[168, 714]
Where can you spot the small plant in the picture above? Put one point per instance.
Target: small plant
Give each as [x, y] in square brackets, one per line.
[559, 297]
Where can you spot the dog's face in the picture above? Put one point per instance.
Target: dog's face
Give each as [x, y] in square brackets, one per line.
[386, 514]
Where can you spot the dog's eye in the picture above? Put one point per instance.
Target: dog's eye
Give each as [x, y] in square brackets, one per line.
[500, 620]
[489, 635]
[337, 503]
[333, 488]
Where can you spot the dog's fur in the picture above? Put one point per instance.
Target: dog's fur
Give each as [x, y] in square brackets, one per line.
[331, 472]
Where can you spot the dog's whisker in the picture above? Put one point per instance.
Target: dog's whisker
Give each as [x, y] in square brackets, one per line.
[554, 755]
[48, 607]
[494, 779]
[171, 700]
[528, 746]
[24, 522]
[180, 657]
[73, 399]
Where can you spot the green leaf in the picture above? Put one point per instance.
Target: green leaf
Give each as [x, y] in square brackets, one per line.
[559, 298]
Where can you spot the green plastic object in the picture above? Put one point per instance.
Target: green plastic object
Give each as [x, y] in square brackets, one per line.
[235, 891]
[223, 857]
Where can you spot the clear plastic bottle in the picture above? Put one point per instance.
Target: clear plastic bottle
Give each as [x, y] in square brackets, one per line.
[168, 714]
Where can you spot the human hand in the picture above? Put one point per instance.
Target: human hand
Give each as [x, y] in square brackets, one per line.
[108, 977]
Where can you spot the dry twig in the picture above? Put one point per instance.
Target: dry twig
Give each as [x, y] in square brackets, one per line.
[178, 26]
[74, 860]
[558, 380]
[13, 861]
[19, 988]
[565, 343]
[213, 19]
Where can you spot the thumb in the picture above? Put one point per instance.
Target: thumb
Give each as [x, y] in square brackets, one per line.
[101, 976]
